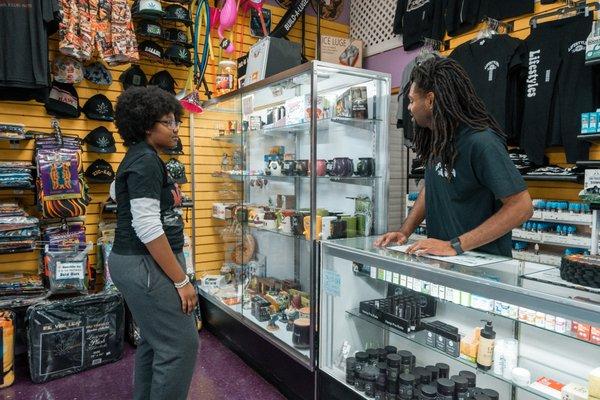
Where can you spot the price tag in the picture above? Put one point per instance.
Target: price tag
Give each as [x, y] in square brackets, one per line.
[69, 270]
[332, 282]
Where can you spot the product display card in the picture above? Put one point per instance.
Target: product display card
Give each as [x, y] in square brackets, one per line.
[468, 259]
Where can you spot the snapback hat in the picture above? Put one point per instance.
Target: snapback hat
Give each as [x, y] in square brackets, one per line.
[100, 140]
[99, 107]
[63, 101]
[97, 73]
[176, 170]
[67, 70]
[147, 9]
[178, 36]
[100, 171]
[178, 55]
[151, 49]
[163, 80]
[149, 29]
[134, 76]
[177, 13]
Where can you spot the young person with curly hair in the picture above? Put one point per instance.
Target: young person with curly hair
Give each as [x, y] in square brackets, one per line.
[473, 195]
[147, 263]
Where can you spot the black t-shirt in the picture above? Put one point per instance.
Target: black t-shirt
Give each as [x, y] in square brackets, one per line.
[143, 175]
[494, 66]
[24, 29]
[419, 19]
[483, 174]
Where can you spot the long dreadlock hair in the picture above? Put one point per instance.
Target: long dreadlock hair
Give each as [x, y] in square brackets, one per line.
[455, 102]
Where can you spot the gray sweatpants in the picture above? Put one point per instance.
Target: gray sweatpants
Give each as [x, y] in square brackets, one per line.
[166, 355]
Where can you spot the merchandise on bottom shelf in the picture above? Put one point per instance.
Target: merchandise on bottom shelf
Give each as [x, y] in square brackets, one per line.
[7, 336]
[581, 269]
[68, 269]
[72, 335]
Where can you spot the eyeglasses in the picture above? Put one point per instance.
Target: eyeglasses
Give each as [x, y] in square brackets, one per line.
[170, 123]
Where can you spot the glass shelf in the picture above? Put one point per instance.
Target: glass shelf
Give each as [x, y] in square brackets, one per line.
[322, 124]
[233, 138]
[275, 232]
[552, 276]
[419, 338]
[495, 314]
[353, 180]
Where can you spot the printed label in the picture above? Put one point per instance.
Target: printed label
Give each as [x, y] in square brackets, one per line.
[69, 270]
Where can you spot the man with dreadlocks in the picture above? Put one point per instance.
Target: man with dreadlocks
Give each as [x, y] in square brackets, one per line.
[473, 195]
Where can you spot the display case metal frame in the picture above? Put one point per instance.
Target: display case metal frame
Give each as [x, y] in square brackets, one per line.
[378, 126]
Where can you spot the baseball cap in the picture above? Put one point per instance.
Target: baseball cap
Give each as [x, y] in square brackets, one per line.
[100, 140]
[175, 12]
[149, 29]
[63, 101]
[177, 150]
[163, 80]
[151, 49]
[147, 9]
[67, 70]
[178, 55]
[176, 170]
[100, 171]
[133, 76]
[99, 107]
[178, 36]
[97, 73]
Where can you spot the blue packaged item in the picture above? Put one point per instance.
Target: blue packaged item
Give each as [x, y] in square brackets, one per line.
[585, 122]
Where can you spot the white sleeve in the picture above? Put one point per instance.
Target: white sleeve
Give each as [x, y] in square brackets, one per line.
[146, 221]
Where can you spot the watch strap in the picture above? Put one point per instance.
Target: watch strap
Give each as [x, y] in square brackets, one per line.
[455, 243]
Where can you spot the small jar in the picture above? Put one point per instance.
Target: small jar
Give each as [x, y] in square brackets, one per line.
[226, 77]
[461, 387]
[362, 360]
[369, 375]
[471, 380]
[428, 392]
[391, 349]
[435, 372]
[382, 355]
[492, 394]
[393, 363]
[405, 361]
[406, 386]
[444, 370]
[373, 356]
[380, 384]
[445, 389]
[350, 370]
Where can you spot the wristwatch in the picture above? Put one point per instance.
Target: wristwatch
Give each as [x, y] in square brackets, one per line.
[455, 243]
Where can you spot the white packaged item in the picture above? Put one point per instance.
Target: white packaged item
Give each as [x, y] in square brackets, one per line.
[521, 376]
[574, 391]
[482, 303]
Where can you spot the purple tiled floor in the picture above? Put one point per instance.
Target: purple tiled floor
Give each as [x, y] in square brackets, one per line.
[219, 374]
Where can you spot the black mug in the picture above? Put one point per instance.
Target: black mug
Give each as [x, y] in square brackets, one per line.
[342, 167]
[297, 221]
[338, 228]
[289, 168]
[365, 167]
[301, 167]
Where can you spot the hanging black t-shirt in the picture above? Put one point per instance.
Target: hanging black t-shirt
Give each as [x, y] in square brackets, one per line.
[24, 29]
[483, 174]
[503, 9]
[143, 175]
[494, 64]
[419, 19]
[462, 16]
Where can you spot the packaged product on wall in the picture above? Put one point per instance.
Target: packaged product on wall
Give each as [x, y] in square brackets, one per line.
[341, 50]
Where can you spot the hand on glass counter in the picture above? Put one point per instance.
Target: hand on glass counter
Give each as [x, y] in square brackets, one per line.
[434, 247]
[391, 238]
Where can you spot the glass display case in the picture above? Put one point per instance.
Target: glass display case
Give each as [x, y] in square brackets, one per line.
[432, 312]
[304, 158]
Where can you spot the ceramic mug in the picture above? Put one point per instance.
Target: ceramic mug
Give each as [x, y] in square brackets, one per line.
[301, 167]
[275, 168]
[297, 221]
[365, 167]
[321, 167]
[342, 167]
[329, 167]
[289, 168]
[338, 228]
[286, 221]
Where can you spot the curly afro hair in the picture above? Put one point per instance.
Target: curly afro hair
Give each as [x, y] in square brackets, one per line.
[139, 107]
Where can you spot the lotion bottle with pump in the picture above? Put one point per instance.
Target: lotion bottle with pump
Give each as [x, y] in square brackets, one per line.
[485, 352]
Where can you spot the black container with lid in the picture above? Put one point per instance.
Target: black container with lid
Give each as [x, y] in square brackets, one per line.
[492, 394]
[461, 387]
[444, 370]
[373, 355]
[428, 392]
[471, 379]
[381, 355]
[382, 376]
[406, 386]
[417, 372]
[369, 375]
[391, 349]
[350, 370]
[445, 389]
[405, 361]
[435, 372]
[362, 359]
[393, 362]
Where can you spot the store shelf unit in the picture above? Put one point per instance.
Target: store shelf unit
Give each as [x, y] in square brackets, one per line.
[517, 296]
[309, 149]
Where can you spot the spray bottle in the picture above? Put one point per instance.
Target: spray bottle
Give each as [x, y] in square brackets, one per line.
[485, 352]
